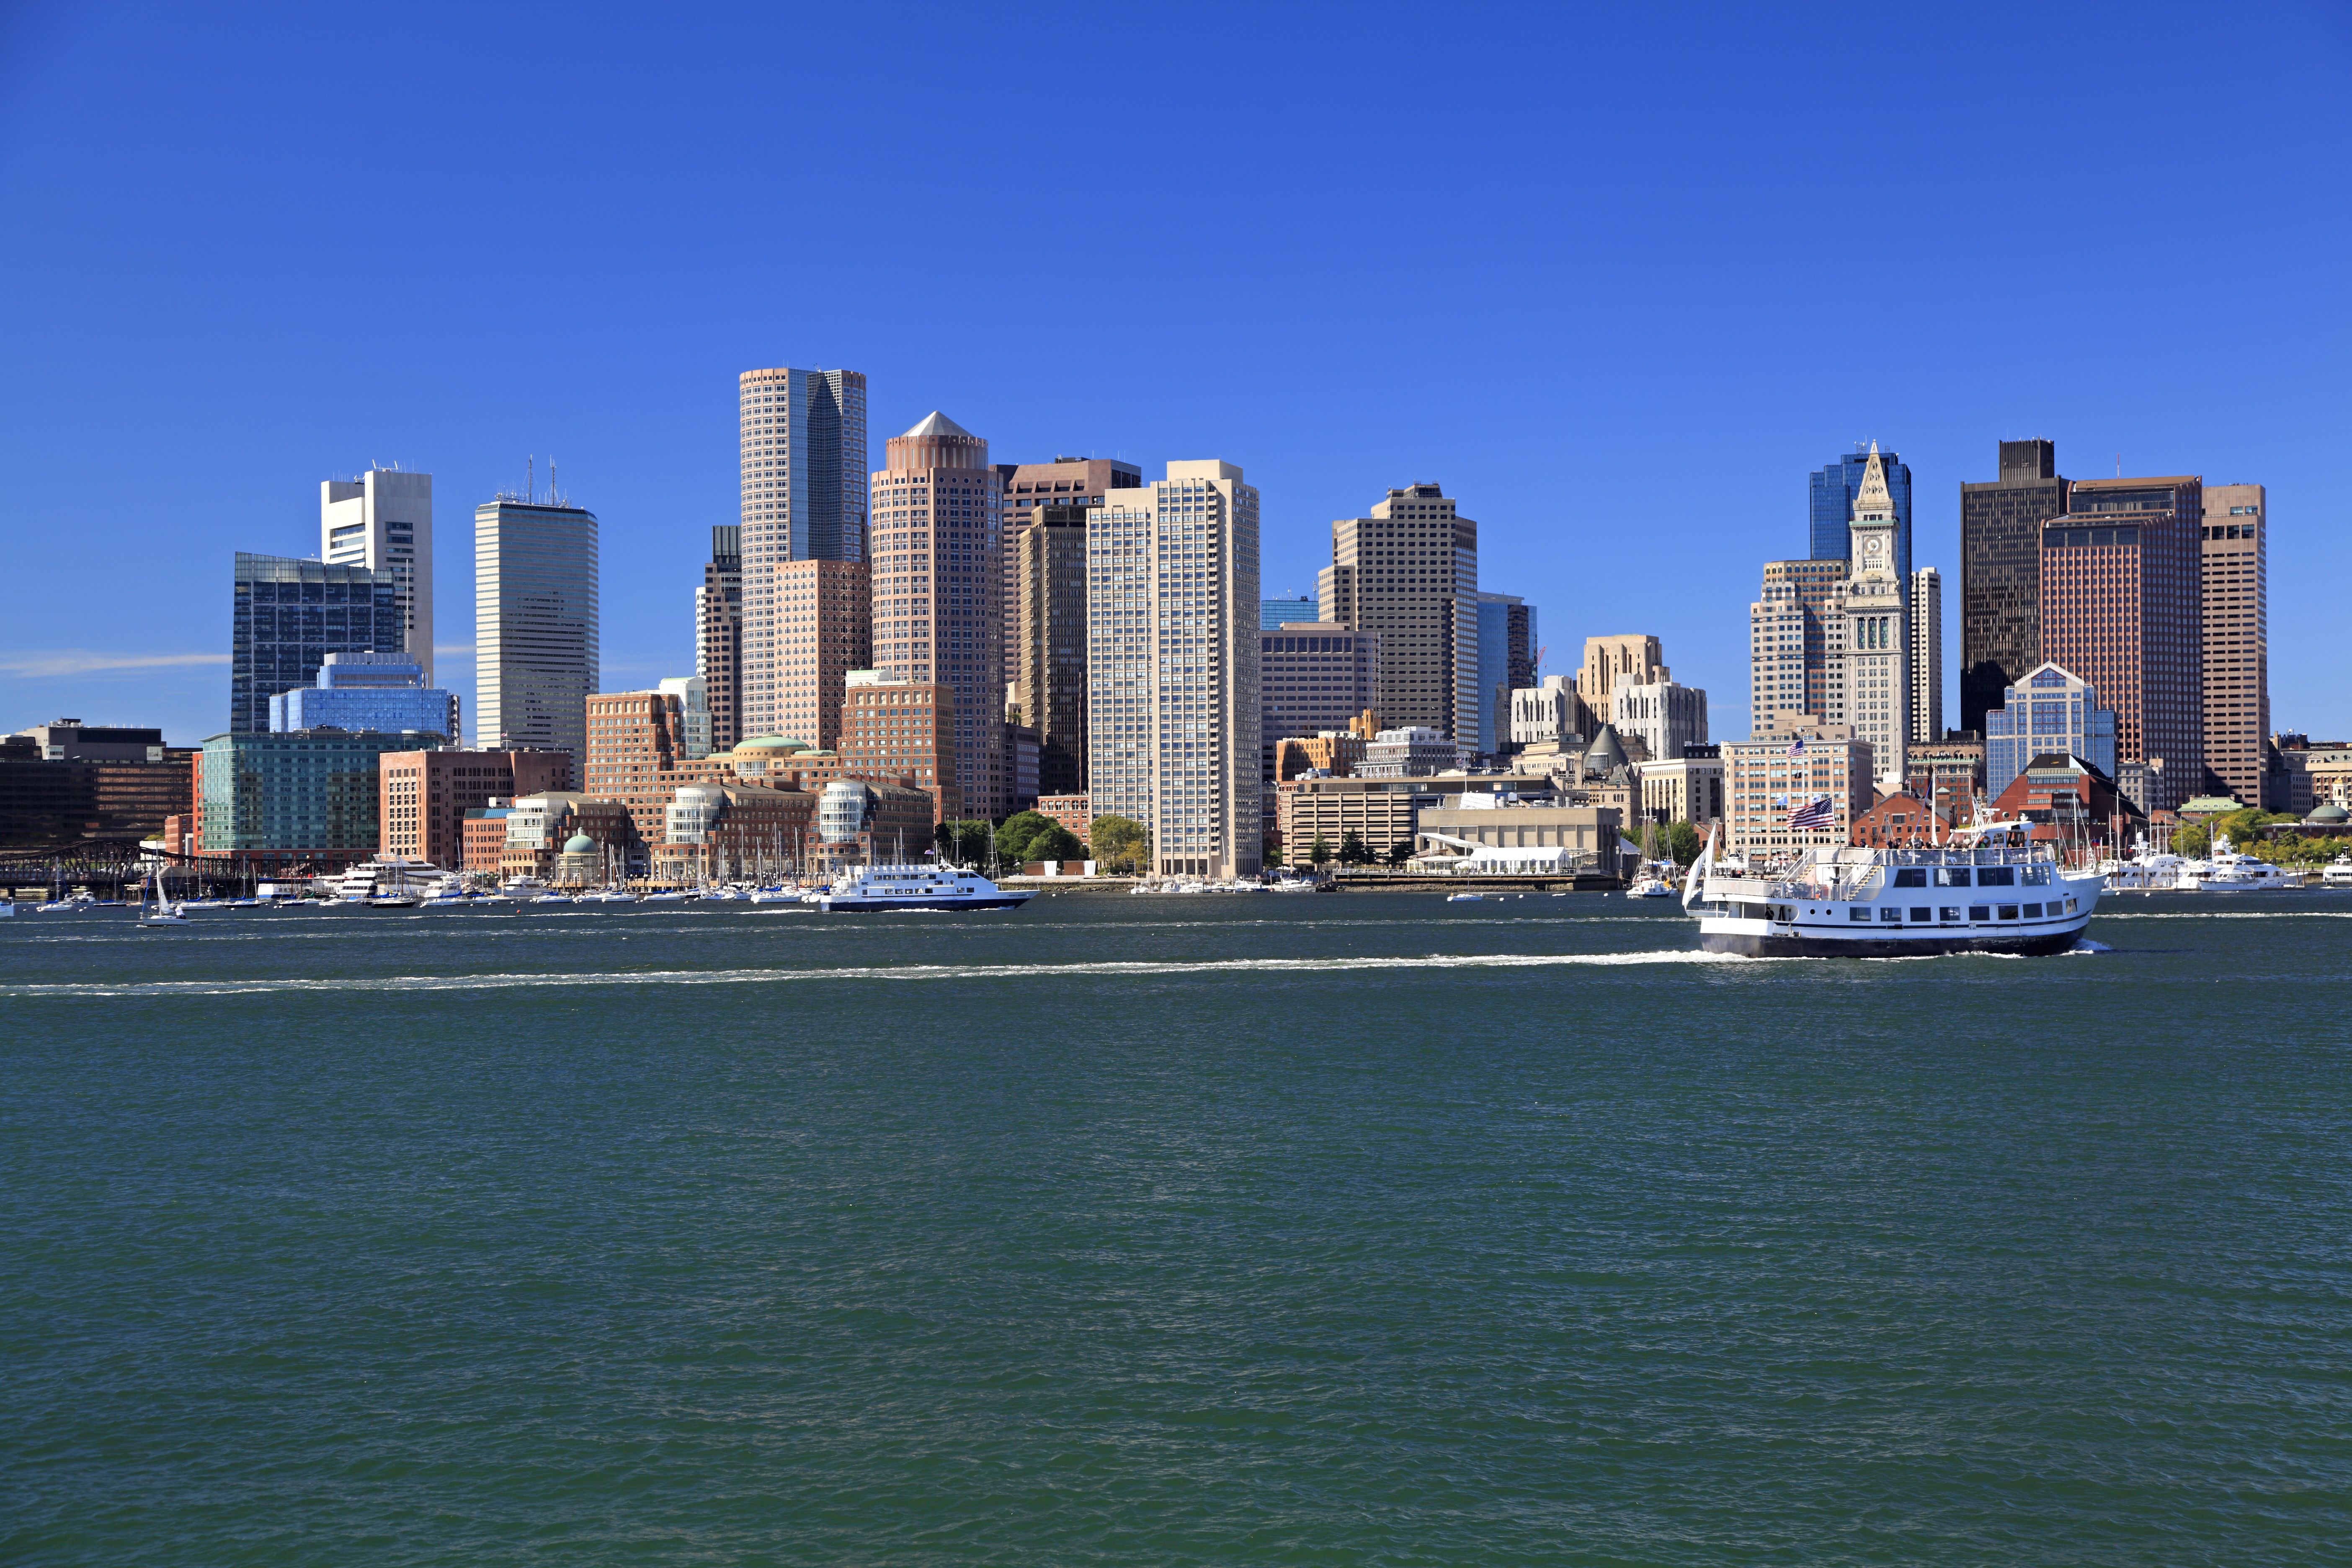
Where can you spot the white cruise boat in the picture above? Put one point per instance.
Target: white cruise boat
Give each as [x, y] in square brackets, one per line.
[2147, 872]
[1991, 890]
[2338, 873]
[2226, 870]
[863, 889]
[391, 882]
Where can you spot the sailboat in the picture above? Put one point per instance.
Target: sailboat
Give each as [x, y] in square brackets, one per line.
[165, 912]
[1649, 884]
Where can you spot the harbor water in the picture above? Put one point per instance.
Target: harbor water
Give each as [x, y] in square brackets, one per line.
[1355, 1229]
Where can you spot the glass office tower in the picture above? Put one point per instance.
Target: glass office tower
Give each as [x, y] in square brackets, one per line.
[290, 616]
[1831, 492]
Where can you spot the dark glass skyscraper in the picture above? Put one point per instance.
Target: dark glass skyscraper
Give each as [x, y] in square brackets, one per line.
[1831, 494]
[290, 616]
[2000, 575]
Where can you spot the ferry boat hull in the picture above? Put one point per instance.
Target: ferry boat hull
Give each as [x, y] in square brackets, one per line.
[882, 889]
[1758, 939]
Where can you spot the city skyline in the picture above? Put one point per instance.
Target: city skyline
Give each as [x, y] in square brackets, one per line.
[1679, 387]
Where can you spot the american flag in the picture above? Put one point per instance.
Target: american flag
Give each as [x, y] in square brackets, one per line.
[1816, 813]
[1797, 747]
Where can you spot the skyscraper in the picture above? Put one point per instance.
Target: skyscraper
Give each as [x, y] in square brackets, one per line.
[1050, 635]
[719, 636]
[1409, 574]
[536, 650]
[2237, 640]
[290, 616]
[2120, 608]
[1874, 675]
[1625, 659]
[1927, 657]
[1794, 633]
[803, 434]
[939, 608]
[1506, 662]
[1830, 491]
[1273, 614]
[383, 520]
[1026, 490]
[1172, 666]
[825, 612]
[2000, 574]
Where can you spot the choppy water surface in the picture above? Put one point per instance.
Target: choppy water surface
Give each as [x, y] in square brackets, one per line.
[1353, 1229]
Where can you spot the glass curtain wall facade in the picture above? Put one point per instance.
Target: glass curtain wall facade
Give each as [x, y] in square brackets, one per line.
[306, 789]
[1831, 491]
[290, 616]
[367, 691]
[536, 631]
[2048, 712]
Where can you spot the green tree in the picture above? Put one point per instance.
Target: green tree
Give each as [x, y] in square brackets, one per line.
[1686, 841]
[1352, 851]
[1013, 834]
[2191, 841]
[1120, 843]
[1401, 851]
[1054, 842]
[965, 843]
[1319, 851]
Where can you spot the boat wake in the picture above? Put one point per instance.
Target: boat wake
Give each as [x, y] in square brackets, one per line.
[2086, 946]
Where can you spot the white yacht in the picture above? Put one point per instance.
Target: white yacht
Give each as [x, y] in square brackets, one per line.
[2226, 870]
[390, 882]
[2148, 870]
[2337, 873]
[1991, 890]
[863, 889]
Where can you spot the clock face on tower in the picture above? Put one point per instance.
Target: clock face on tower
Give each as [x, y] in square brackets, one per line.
[1870, 546]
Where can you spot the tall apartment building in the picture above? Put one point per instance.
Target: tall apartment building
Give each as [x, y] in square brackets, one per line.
[2120, 607]
[1927, 657]
[1172, 666]
[2237, 640]
[903, 732]
[1506, 662]
[1313, 676]
[1049, 635]
[425, 795]
[802, 498]
[824, 629]
[719, 636]
[1873, 679]
[2000, 574]
[1669, 717]
[636, 755]
[290, 616]
[1830, 491]
[1795, 633]
[384, 520]
[1408, 574]
[1027, 491]
[536, 632]
[939, 608]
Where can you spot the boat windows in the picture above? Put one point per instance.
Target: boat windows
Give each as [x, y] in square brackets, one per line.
[1919, 914]
[2070, 906]
[1980, 911]
[1891, 915]
[1911, 877]
[1857, 913]
[1997, 876]
[2037, 876]
[2008, 911]
[2033, 912]
[1946, 912]
[1951, 875]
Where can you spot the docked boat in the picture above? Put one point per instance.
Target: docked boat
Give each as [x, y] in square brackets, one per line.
[2147, 872]
[391, 882]
[1991, 890]
[2227, 871]
[2338, 873]
[867, 890]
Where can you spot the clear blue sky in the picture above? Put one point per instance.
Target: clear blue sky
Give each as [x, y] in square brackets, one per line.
[1617, 278]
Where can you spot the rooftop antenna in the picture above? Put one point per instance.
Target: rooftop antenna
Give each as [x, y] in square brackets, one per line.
[554, 498]
[2119, 464]
[531, 478]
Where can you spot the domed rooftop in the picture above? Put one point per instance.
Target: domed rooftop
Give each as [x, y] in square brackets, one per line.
[772, 744]
[2331, 812]
[579, 844]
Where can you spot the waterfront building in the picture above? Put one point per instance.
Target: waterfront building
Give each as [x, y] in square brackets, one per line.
[301, 794]
[1552, 714]
[719, 636]
[1796, 633]
[1489, 830]
[717, 832]
[906, 734]
[1950, 773]
[1059, 492]
[426, 799]
[1069, 810]
[693, 694]
[1172, 666]
[2066, 797]
[1316, 676]
[545, 829]
[483, 835]
[824, 629]
[2236, 647]
[1767, 780]
[2120, 607]
[1872, 681]
[1684, 788]
[2049, 710]
[1409, 751]
[1900, 821]
[1048, 628]
[67, 784]
[2311, 774]
[1409, 574]
[937, 593]
[1335, 753]
[1273, 614]
[636, 754]
[1831, 491]
[1668, 717]
[2000, 574]
[872, 824]
[536, 630]
[1506, 662]
[1381, 813]
[1927, 643]
[384, 520]
[367, 691]
[290, 616]
[802, 435]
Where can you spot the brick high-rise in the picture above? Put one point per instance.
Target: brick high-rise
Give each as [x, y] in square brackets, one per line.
[803, 436]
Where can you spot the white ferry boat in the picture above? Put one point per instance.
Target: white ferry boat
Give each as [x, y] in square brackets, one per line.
[2228, 871]
[1992, 890]
[392, 882]
[2338, 873]
[863, 889]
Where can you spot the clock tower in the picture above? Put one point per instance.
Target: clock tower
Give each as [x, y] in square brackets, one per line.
[1877, 658]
